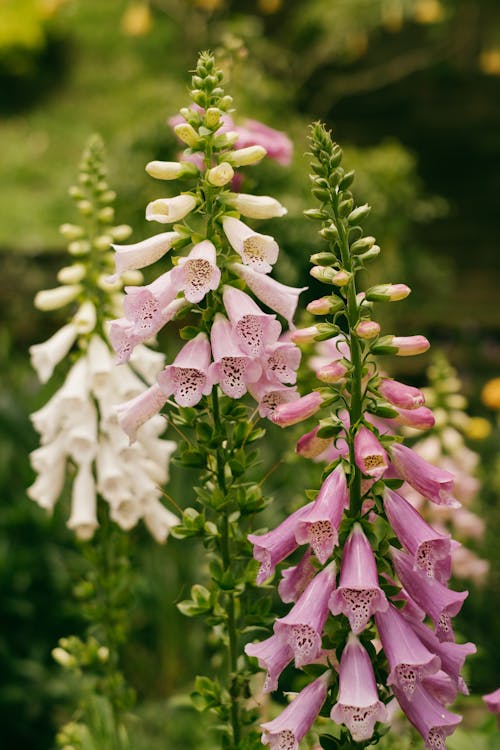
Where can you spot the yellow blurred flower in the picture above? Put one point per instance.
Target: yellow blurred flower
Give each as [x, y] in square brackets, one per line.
[490, 395]
[478, 428]
[137, 19]
[489, 62]
[269, 6]
[428, 11]
[209, 5]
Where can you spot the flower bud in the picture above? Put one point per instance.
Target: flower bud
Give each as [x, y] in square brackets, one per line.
[85, 318]
[212, 117]
[106, 215]
[304, 335]
[330, 232]
[402, 346]
[226, 102]
[53, 299]
[359, 213]
[170, 170]
[361, 245]
[71, 231]
[108, 283]
[85, 207]
[315, 213]
[187, 134]
[341, 278]
[370, 254]
[226, 140]
[256, 206]
[325, 306]
[323, 259]
[121, 232]
[332, 372]
[221, 174]
[388, 293]
[367, 329]
[63, 658]
[71, 274]
[79, 247]
[296, 411]
[103, 242]
[323, 273]
[244, 156]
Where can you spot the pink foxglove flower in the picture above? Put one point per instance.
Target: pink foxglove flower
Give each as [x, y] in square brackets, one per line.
[319, 526]
[332, 372]
[142, 254]
[279, 297]
[433, 483]
[277, 144]
[431, 551]
[420, 418]
[253, 328]
[276, 545]
[259, 251]
[187, 378]
[273, 655]
[134, 413]
[358, 595]
[407, 346]
[451, 654]
[170, 210]
[197, 273]
[429, 717]
[281, 361]
[409, 660]
[358, 705]
[441, 687]
[399, 394]
[297, 411]
[302, 627]
[492, 701]
[369, 454]
[438, 601]
[271, 394]
[286, 730]
[294, 580]
[312, 446]
[144, 305]
[231, 368]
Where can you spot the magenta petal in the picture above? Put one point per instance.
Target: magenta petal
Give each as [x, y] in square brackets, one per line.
[319, 526]
[187, 377]
[286, 730]
[232, 368]
[399, 394]
[273, 656]
[295, 580]
[279, 297]
[296, 411]
[358, 705]
[281, 361]
[270, 395]
[302, 627]
[492, 701]
[438, 601]
[370, 457]
[430, 549]
[273, 547]
[197, 273]
[254, 329]
[433, 483]
[441, 687]
[429, 717]
[358, 595]
[409, 660]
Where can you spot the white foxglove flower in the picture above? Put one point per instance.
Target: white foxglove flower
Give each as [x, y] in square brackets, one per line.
[257, 206]
[83, 518]
[86, 317]
[170, 210]
[48, 486]
[159, 520]
[100, 365]
[60, 296]
[44, 357]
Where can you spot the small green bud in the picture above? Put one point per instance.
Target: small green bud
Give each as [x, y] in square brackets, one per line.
[315, 213]
[365, 243]
[71, 231]
[226, 140]
[383, 410]
[79, 247]
[321, 194]
[322, 273]
[347, 180]
[76, 192]
[85, 207]
[226, 102]
[345, 207]
[212, 117]
[323, 259]
[121, 232]
[370, 255]
[108, 197]
[359, 213]
[106, 215]
[330, 232]
[102, 242]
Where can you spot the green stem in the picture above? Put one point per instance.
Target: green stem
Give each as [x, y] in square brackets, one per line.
[226, 561]
[356, 404]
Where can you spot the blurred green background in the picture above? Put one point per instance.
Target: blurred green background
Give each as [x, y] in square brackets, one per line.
[411, 89]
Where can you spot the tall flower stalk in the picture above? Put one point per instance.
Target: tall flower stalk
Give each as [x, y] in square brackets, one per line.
[231, 347]
[378, 573]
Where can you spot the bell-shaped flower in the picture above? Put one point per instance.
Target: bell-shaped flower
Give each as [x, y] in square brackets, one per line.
[253, 328]
[273, 655]
[281, 361]
[83, 518]
[197, 273]
[112, 482]
[286, 730]
[73, 396]
[134, 413]
[270, 395]
[409, 660]
[428, 716]
[45, 356]
[401, 395]
[279, 297]
[82, 442]
[421, 418]
[255, 207]
[358, 595]
[142, 254]
[159, 520]
[147, 362]
[170, 210]
[438, 601]
[277, 144]
[358, 705]
[369, 455]
[295, 579]
[187, 378]
[124, 337]
[232, 369]
[126, 512]
[100, 365]
[441, 687]
[144, 305]
[451, 654]
[312, 446]
[432, 482]
[302, 627]
[48, 485]
[319, 526]
[298, 410]
[492, 701]
[431, 551]
[259, 251]
[276, 545]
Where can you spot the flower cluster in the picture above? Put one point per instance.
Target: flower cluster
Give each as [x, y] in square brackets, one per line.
[80, 433]
[393, 567]
[234, 344]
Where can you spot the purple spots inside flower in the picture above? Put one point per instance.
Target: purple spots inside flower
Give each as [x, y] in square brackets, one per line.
[359, 720]
[436, 739]
[250, 330]
[305, 642]
[277, 363]
[372, 462]
[284, 740]
[358, 605]
[254, 252]
[407, 676]
[265, 568]
[231, 373]
[444, 630]
[270, 402]
[198, 273]
[188, 384]
[425, 559]
[322, 538]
